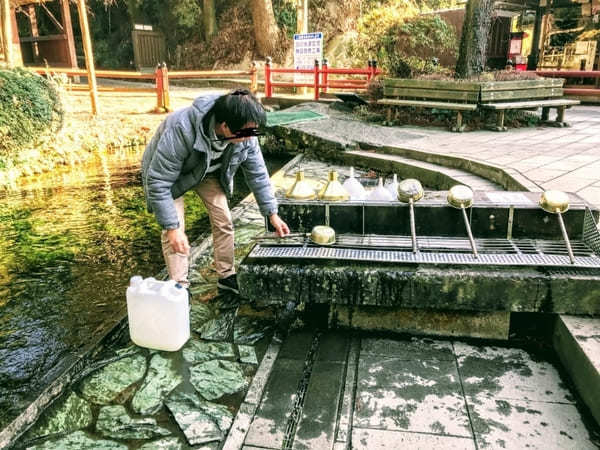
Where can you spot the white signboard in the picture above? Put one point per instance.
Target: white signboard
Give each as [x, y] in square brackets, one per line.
[307, 48]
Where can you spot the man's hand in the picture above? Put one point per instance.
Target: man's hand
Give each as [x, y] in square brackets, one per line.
[280, 226]
[178, 241]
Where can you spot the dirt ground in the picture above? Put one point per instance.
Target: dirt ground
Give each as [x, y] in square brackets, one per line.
[123, 119]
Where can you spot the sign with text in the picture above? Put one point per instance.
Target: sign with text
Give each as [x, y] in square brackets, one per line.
[307, 48]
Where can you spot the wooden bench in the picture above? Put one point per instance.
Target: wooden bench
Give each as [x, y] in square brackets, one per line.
[435, 94]
[526, 94]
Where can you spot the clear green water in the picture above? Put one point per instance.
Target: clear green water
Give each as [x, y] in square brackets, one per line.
[69, 244]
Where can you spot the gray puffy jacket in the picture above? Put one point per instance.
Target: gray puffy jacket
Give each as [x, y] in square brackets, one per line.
[177, 157]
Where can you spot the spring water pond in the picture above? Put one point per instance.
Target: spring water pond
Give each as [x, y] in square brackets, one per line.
[70, 242]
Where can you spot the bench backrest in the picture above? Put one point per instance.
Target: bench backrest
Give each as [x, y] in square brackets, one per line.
[472, 92]
[502, 91]
[430, 90]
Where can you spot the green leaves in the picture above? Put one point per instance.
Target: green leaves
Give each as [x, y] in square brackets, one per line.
[30, 106]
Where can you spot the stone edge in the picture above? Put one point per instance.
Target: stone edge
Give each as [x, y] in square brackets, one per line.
[241, 424]
[578, 365]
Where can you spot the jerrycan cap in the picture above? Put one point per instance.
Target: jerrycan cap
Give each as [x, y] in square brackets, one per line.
[136, 280]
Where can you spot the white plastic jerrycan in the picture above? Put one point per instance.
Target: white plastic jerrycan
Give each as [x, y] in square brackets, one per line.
[158, 312]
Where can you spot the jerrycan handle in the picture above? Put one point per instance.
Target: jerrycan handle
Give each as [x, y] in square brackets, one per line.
[171, 290]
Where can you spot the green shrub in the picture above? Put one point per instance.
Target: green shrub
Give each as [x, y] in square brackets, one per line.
[404, 42]
[30, 106]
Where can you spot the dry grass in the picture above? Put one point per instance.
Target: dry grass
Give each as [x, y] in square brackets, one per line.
[123, 119]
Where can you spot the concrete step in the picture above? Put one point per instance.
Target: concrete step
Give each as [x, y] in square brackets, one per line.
[299, 407]
[577, 343]
[428, 173]
[365, 390]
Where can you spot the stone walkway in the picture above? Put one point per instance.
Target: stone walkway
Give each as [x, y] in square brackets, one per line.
[541, 158]
[338, 390]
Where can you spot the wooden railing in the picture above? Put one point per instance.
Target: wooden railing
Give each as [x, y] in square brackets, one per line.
[320, 78]
[570, 76]
[161, 77]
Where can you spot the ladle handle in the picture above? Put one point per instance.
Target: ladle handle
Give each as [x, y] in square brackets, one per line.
[565, 236]
[413, 231]
[276, 236]
[468, 226]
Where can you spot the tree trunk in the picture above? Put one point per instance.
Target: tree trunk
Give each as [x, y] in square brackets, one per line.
[209, 18]
[266, 31]
[474, 39]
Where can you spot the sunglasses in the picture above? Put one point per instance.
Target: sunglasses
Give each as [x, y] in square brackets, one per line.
[243, 133]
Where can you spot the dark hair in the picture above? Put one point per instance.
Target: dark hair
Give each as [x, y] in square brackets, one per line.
[238, 108]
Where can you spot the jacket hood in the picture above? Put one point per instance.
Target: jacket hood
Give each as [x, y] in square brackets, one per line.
[201, 106]
[204, 103]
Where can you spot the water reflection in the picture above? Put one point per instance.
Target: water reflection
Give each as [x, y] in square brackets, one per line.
[70, 242]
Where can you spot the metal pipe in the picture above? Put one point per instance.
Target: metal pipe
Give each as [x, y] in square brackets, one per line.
[565, 236]
[471, 240]
[413, 231]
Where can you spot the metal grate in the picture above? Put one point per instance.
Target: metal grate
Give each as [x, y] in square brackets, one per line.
[435, 250]
[591, 235]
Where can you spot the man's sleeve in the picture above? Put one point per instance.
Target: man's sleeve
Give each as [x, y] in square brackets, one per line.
[163, 171]
[257, 178]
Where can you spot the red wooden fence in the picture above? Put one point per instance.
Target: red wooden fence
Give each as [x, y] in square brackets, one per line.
[579, 89]
[160, 76]
[321, 78]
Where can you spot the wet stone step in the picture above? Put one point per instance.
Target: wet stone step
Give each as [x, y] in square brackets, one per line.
[115, 422]
[268, 428]
[201, 421]
[161, 379]
[316, 428]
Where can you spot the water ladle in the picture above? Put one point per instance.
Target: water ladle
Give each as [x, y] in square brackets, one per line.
[320, 235]
[461, 197]
[557, 202]
[411, 191]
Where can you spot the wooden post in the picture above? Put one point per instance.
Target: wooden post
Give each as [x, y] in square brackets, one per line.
[302, 25]
[7, 31]
[324, 75]
[89, 57]
[316, 87]
[34, 32]
[268, 87]
[253, 78]
[65, 13]
[158, 79]
[165, 81]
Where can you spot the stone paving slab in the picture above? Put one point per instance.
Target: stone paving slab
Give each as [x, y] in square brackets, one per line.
[316, 427]
[524, 424]
[415, 349]
[523, 150]
[269, 424]
[333, 346]
[366, 439]
[418, 396]
[577, 343]
[509, 373]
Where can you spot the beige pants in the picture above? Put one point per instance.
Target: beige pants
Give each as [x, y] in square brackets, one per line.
[221, 224]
